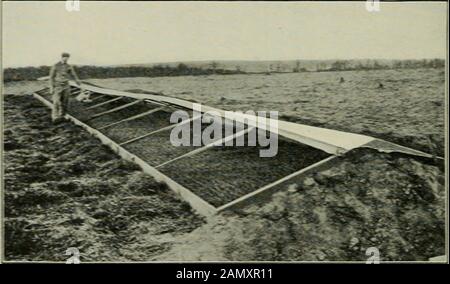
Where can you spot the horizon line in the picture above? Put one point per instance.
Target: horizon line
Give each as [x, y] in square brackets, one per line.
[232, 60]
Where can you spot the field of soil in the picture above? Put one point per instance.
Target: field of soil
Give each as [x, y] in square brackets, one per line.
[63, 188]
[224, 173]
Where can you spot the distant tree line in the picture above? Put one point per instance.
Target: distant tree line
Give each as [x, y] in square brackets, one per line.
[297, 68]
[98, 72]
[347, 65]
[33, 73]
[352, 64]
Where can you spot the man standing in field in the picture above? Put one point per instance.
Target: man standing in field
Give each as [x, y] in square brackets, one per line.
[59, 86]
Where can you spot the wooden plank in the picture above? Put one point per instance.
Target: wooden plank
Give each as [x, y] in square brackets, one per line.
[157, 103]
[46, 89]
[155, 131]
[44, 78]
[104, 103]
[76, 92]
[99, 97]
[44, 101]
[313, 136]
[206, 147]
[331, 141]
[198, 204]
[132, 117]
[111, 92]
[388, 147]
[266, 191]
[115, 109]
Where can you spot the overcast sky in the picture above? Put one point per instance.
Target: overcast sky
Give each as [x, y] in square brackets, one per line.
[35, 33]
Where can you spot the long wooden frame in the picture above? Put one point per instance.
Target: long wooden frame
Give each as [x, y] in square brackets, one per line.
[196, 202]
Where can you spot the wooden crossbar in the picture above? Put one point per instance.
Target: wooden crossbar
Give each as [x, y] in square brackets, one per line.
[99, 97]
[157, 103]
[271, 187]
[206, 147]
[75, 92]
[46, 89]
[200, 205]
[155, 131]
[104, 103]
[115, 109]
[132, 117]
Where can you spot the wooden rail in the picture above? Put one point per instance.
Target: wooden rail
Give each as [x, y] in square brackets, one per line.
[131, 118]
[198, 204]
[104, 103]
[115, 109]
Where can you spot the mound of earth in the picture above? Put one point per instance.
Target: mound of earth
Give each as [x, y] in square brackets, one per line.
[368, 199]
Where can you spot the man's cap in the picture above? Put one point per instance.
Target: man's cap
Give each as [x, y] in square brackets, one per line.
[65, 54]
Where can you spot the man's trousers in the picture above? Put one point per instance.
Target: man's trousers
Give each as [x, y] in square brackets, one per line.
[60, 98]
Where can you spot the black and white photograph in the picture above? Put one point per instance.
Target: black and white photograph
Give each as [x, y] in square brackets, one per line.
[231, 132]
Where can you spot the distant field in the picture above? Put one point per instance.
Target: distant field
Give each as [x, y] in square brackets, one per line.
[409, 109]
